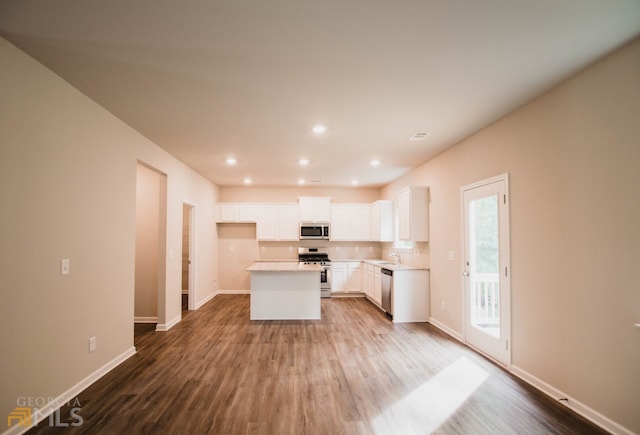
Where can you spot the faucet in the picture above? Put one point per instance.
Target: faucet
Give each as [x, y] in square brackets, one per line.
[396, 255]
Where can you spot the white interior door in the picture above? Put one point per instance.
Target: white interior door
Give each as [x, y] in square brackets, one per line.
[486, 267]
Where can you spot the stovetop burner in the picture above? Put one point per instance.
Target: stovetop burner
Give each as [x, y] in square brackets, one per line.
[317, 258]
[313, 255]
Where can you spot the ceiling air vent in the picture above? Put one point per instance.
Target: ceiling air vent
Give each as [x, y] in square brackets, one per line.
[419, 136]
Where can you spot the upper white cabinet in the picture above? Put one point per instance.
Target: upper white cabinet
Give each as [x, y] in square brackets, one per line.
[315, 208]
[273, 221]
[381, 217]
[278, 222]
[413, 214]
[350, 222]
[289, 222]
[237, 212]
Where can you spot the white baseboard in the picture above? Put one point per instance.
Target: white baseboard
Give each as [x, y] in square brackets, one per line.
[40, 414]
[347, 294]
[161, 327]
[233, 292]
[571, 403]
[204, 301]
[139, 319]
[444, 328]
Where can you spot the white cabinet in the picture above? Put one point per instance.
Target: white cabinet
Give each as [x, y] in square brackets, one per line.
[350, 222]
[278, 222]
[410, 296]
[235, 212]
[340, 222]
[315, 208]
[377, 285]
[346, 276]
[381, 218]
[289, 222]
[273, 221]
[367, 280]
[361, 222]
[413, 214]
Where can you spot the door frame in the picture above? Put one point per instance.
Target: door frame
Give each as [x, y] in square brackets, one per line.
[192, 253]
[507, 330]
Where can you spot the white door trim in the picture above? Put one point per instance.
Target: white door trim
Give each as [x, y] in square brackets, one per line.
[499, 178]
[192, 252]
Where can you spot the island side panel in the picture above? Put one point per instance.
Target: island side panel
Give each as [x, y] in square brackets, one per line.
[285, 295]
[410, 300]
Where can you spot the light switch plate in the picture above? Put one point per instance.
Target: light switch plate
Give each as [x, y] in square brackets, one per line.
[65, 266]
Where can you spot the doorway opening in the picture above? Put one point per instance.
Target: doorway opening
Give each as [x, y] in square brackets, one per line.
[486, 267]
[188, 256]
[150, 245]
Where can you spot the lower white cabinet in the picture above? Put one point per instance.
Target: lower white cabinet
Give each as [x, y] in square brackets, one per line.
[410, 296]
[377, 285]
[367, 280]
[372, 283]
[346, 276]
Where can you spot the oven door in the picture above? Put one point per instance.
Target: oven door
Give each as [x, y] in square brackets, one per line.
[325, 278]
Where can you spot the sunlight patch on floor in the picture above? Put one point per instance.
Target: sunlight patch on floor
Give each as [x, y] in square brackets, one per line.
[427, 407]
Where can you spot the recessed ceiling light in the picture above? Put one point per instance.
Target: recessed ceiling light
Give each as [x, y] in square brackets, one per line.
[303, 162]
[319, 128]
[421, 135]
[301, 181]
[247, 180]
[375, 162]
[231, 161]
[354, 182]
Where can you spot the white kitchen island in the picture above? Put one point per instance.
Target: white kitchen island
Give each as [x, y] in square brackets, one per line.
[285, 291]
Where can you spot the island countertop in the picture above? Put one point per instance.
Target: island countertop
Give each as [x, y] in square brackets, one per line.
[282, 266]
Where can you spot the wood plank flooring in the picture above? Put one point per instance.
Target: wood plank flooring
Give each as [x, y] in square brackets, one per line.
[353, 372]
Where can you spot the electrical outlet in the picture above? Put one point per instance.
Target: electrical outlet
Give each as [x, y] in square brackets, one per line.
[451, 255]
[442, 305]
[92, 344]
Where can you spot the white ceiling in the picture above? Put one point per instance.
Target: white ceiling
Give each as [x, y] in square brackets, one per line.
[209, 79]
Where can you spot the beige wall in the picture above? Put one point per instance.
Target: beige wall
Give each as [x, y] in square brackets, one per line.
[291, 194]
[68, 189]
[573, 156]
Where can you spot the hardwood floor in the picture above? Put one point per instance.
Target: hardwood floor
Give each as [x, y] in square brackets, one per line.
[353, 372]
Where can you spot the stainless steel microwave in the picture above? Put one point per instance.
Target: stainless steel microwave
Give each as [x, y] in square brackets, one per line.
[314, 231]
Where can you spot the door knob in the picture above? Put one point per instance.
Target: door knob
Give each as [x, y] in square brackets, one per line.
[465, 273]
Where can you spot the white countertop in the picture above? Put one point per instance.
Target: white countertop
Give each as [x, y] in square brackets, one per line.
[393, 266]
[283, 266]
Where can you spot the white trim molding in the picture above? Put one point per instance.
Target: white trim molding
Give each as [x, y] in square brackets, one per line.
[39, 414]
[233, 292]
[161, 327]
[571, 403]
[139, 319]
[204, 301]
[444, 328]
[576, 406]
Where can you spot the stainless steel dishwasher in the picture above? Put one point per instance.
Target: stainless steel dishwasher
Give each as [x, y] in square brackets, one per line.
[387, 289]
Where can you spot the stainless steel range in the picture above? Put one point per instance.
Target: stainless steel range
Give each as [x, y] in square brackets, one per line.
[318, 256]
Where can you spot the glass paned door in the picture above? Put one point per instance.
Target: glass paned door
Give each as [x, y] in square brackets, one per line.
[486, 268]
